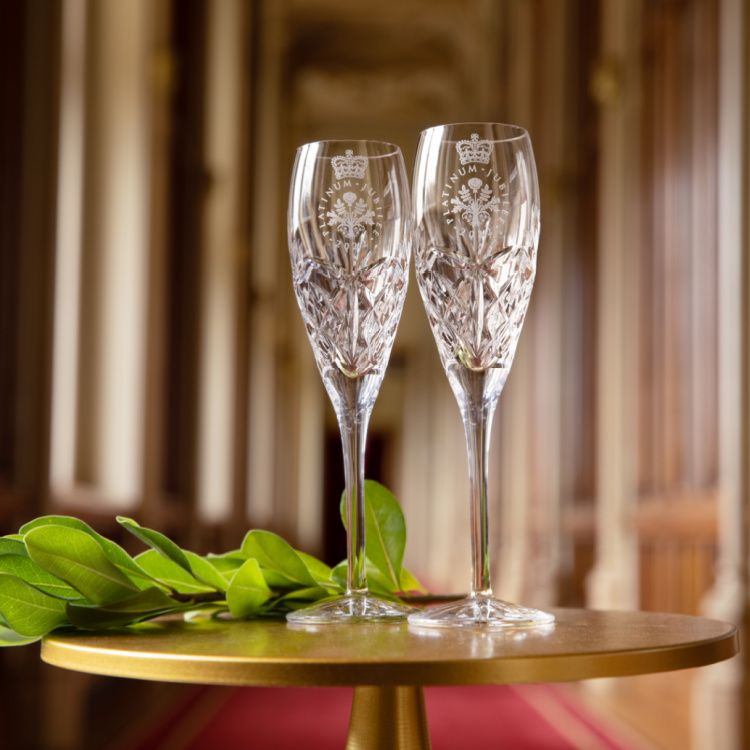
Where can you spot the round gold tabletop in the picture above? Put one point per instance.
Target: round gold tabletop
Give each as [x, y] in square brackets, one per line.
[580, 645]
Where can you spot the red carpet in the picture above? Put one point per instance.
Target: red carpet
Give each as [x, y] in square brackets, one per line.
[530, 717]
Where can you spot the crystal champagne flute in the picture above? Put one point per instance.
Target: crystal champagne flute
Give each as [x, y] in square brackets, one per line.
[350, 234]
[476, 206]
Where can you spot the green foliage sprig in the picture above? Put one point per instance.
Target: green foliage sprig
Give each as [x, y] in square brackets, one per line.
[57, 572]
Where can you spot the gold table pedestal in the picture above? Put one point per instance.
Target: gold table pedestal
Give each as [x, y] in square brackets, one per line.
[389, 664]
[388, 718]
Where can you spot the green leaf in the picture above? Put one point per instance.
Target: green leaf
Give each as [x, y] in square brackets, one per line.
[385, 531]
[311, 594]
[156, 540]
[277, 557]
[297, 599]
[377, 583]
[338, 575]
[27, 570]
[320, 572]
[143, 605]
[204, 612]
[114, 552]
[276, 580]
[228, 563]
[79, 559]
[10, 546]
[409, 582]
[248, 590]
[170, 573]
[9, 637]
[27, 610]
[205, 572]
[55, 558]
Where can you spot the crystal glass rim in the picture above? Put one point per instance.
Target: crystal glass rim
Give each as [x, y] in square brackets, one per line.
[391, 148]
[519, 132]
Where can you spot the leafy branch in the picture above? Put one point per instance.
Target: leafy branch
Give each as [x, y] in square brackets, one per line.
[58, 572]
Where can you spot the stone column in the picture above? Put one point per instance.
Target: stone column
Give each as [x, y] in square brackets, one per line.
[269, 184]
[222, 250]
[114, 270]
[720, 718]
[613, 582]
[552, 145]
[70, 187]
[510, 478]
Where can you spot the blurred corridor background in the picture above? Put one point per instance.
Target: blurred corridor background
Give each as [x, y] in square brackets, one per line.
[153, 361]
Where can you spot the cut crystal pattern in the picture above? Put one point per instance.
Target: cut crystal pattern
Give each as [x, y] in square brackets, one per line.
[350, 608]
[351, 316]
[481, 612]
[476, 308]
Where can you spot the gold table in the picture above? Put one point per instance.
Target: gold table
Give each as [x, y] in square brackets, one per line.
[389, 664]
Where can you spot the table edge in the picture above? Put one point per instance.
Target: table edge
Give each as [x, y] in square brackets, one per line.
[324, 673]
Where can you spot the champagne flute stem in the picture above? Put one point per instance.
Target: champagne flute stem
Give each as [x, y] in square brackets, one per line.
[477, 419]
[353, 426]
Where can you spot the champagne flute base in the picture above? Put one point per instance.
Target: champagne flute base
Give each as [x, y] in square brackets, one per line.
[350, 608]
[480, 611]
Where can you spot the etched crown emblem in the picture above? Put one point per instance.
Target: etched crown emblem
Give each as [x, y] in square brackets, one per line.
[349, 165]
[474, 150]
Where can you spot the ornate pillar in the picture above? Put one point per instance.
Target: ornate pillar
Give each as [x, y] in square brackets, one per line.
[720, 718]
[613, 582]
[510, 480]
[68, 246]
[551, 133]
[269, 185]
[161, 80]
[222, 251]
[115, 241]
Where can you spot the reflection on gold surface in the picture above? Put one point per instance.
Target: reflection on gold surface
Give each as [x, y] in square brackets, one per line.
[581, 645]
